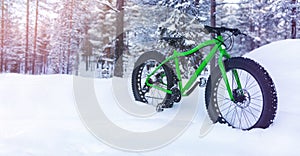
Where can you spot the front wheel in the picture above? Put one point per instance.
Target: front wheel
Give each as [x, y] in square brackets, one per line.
[255, 104]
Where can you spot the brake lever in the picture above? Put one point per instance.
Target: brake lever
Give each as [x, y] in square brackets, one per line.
[238, 32]
[244, 34]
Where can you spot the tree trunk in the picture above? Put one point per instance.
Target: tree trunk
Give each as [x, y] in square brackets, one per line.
[44, 64]
[77, 64]
[35, 37]
[213, 13]
[86, 63]
[70, 37]
[27, 39]
[213, 24]
[2, 37]
[294, 33]
[120, 40]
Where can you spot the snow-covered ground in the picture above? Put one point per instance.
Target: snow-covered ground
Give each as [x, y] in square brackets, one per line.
[39, 116]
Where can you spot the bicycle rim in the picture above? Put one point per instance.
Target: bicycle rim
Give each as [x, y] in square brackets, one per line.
[153, 96]
[246, 111]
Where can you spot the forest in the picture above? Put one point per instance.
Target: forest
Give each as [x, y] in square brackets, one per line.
[89, 37]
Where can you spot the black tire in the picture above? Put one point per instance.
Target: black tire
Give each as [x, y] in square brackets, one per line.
[255, 106]
[141, 92]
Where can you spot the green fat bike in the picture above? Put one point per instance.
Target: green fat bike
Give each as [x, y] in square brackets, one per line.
[238, 91]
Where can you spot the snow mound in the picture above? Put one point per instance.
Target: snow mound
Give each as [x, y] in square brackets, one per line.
[281, 59]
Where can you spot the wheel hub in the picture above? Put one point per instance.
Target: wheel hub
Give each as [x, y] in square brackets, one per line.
[241, 97]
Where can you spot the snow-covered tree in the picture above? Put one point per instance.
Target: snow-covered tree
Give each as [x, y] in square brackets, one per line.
[263, 21]
[64, 36]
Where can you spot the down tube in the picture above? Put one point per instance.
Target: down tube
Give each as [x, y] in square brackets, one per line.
[200, 69]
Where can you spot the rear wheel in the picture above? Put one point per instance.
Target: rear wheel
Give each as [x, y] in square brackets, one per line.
[163, 78]
[255, 104]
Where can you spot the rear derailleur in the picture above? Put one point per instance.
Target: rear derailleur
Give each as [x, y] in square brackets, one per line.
[175, 97]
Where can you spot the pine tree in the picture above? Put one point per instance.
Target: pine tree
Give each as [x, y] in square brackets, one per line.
[12, 37]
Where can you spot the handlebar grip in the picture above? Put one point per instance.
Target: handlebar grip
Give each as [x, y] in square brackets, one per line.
[171, 38]
[219, 30]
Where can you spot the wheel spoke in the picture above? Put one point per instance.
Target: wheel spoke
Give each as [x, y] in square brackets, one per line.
[223, 96]
[233, 116]
[256, 93]
[255, 104]
[255, 109]
[250, 112]
[229, 111]
[225, 103]
[247, 80]
[257, 98]
[226, 108]
[240, 120]
[223, 87]
[252, 85]
[248, 122]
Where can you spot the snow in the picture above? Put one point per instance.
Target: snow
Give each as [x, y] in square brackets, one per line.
[39, 116]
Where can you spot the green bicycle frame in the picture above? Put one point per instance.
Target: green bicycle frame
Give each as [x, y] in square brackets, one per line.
[217, 46]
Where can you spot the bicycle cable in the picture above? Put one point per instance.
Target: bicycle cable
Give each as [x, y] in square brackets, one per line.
[229, 46]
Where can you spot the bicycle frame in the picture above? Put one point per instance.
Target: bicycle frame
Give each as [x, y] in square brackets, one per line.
[217, 46]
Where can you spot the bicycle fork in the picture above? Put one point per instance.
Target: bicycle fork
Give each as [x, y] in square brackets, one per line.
[223, 53]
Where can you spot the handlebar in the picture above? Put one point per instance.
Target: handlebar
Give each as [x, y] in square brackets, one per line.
[219, 30]
[179, 41]
[172, 38]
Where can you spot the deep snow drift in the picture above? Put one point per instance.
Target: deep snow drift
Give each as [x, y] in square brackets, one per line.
[38, 116]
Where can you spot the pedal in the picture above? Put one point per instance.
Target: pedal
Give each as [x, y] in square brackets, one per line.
[202, 82]
[159, 107]
[176, 95]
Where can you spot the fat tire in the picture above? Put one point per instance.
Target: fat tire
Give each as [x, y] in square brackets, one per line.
[136, 75]
[261, 76]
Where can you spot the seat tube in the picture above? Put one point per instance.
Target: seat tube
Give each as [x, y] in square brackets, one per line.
[178, 74]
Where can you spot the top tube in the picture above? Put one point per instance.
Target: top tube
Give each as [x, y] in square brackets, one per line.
[200, 46]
